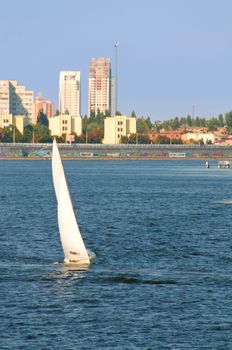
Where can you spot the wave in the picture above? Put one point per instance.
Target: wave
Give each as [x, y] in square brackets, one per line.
[224, 201]
[136, 280]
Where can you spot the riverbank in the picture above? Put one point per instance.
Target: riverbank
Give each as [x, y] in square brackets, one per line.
[11, 151]
[113, 159]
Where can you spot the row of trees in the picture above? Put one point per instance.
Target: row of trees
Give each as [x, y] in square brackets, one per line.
[145, 139]
[93, 129]
[40, 133]
[211, 124]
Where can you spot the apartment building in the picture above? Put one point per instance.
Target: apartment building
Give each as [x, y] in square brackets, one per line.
[116, 127]
[70, 93]
[65, 124]
[15, 99]
[40, 104]
[99, 95]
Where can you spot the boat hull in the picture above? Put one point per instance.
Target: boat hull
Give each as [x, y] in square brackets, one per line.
[83, 263]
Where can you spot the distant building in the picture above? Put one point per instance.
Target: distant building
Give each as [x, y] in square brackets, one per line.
[65, 124]
[70, 92]
[116, 127]
[15, 99]
[40, 104]
[197, 137]
[99, 86]
[17, 120]
[171, 134]
[222, 138]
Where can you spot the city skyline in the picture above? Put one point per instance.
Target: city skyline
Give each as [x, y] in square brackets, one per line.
[171, 55]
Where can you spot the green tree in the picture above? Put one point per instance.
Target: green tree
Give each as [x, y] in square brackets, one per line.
[92, 114]
[197, 121]
[124, 140]
[6, 134]
[60, 139]
[201, 142]
[80, 138]
[228, 119]
[213, 124]
[162, 140]
[220, 120]
[42, 134]
[143, 125]
[133, 115]
[95, 135]
[177, 141]
[189, 120]
[175, 123]
[28, 134]
[107, 113]
[133, 138]
[1, 133]
[140, 126]
[148, 123]
[157, 125]
[10, 134]
[98, 113]
[42, 118]
[143, 139]
[183, 121]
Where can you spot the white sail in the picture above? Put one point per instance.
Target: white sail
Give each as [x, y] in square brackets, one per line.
[72, 243]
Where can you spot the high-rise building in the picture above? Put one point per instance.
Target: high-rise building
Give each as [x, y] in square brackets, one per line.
[99, 86]
[15, 99]
[69, 93]
[40, 104]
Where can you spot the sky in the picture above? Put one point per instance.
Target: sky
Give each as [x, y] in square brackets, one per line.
[174, 56]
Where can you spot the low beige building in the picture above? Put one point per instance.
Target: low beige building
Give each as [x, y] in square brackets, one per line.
[197, 137]
[6, 120]
[19, 121]
[65, 124]
[118, 126]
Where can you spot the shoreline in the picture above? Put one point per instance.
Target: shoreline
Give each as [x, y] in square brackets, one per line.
[115, 152]
[119, 158]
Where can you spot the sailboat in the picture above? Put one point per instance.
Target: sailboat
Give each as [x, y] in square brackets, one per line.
[74, 248]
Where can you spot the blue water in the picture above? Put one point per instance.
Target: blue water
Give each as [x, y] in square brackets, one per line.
[162, 277]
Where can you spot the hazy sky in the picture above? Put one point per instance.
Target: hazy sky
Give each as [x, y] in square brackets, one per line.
[173, 54]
